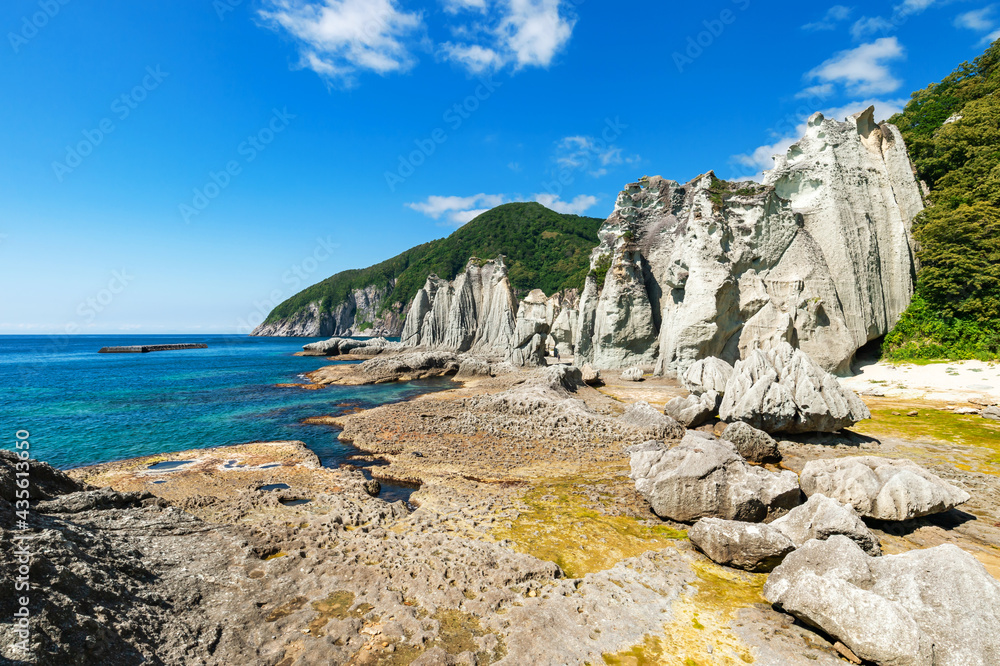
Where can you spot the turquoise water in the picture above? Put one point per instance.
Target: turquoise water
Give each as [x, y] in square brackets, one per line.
[83, 408]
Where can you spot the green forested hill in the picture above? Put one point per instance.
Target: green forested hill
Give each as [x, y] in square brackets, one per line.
[544, 250]
[952, 130]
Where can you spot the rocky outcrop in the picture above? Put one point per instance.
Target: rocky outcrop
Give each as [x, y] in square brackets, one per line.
[706, 478]
[933, 607]
[707, 375]
[340, 346]
[818, 256]
[821, 518]
[477, 312]
[754, 445]
[591, 376]
[784, 390]
[361, 313]
[749, 546]
[633, 374]
[660, 426]
[881, 488]
[694, 410]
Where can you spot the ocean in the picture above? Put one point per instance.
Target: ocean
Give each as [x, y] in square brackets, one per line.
[83, 408]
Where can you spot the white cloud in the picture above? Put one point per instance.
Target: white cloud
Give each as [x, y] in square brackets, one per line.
[577, 206]
[523, 33]
[910, 7]
[456, 6]
[866, 27]
[477, 59]
[339, 38]
[751, 166]
[821, 91]
[456, 211]
[980, 20]
[590, 154]
[833, 16]
[863, 70]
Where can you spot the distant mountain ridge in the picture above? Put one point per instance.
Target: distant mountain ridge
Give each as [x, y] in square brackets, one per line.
[544, 250]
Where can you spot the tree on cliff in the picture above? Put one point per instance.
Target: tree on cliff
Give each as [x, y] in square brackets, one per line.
[952, 130]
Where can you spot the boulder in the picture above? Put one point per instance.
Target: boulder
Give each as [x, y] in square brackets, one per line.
[591, 376]
[754, 445]
[881, 488]
[992, 413]
[474, 367]
[633, 374]
[749, 546]
[707, 375]
[933, 607]
[821, 518]
[706, 478]
[694, 410]
[784, 390]
[659, 426]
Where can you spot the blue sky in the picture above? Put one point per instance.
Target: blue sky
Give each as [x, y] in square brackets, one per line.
[183, 166]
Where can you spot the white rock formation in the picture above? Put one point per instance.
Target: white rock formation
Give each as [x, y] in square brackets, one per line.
[818, 256]
[784, 390]
[882, 488]
[932, 607]
[477, 312]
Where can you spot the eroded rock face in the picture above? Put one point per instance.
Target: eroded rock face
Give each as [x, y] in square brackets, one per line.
[821, 518]
[705, 478]
[591, 376]
[750, 546]
[478, 313]
[694, 410]
[818, 256]
[707, 375]
[784, 390]
[339, 346]
[361, 313]
[881, 488]
[633, 374]
[933, 607]
[754, 445]
[660, 426]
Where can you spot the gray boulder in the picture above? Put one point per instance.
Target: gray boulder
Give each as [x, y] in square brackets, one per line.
[754, 445]
[783, 390]
[881, 488]
[694, 410]
[821, 518]
[633, 374]
[992, 413]
[749, 546]
[704, 478]
[659, 426]
[708, 374]
[933, 607]
[591, 376]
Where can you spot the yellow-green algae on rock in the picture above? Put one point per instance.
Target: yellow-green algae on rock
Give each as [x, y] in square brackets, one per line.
[701, 620]
[562, 525]
[936, 425]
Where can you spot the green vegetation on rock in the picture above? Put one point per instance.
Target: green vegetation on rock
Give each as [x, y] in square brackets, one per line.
[544, 249]
[952, 130]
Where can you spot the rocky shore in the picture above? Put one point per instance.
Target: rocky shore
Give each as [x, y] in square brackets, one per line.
[528, 541]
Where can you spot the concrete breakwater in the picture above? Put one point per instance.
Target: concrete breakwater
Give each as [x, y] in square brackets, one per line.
[144, 349]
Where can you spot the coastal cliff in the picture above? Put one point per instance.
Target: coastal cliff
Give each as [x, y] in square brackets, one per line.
[543, 249]
[820, 256]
